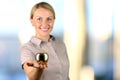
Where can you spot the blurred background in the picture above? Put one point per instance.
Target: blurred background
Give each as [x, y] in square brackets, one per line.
[89, 28]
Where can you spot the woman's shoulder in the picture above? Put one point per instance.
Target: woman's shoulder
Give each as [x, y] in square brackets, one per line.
[59, 43]
[27, 45]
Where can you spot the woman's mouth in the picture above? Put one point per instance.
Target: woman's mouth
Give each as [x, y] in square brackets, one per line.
[44, 29]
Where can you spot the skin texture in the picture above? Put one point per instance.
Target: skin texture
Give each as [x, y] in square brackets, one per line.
[42, 21]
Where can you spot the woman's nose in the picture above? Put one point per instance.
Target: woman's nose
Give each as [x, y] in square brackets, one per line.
[44, 23]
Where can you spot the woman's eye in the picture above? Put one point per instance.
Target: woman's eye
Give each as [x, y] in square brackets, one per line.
[49, 19]
[39, 19]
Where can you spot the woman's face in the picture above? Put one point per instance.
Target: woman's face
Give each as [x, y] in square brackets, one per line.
[43, 22]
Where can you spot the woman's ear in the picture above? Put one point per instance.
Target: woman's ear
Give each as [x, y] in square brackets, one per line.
[32, 22]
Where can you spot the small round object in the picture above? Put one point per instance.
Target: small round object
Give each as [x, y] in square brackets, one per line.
[41, 57]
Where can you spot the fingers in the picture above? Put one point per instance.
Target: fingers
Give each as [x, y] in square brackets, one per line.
[42, 64]
[28, 64]
[39, 65]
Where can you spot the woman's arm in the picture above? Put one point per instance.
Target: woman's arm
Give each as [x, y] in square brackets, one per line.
[33, 70]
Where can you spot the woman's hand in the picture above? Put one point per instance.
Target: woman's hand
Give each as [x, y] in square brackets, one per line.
[33, 69]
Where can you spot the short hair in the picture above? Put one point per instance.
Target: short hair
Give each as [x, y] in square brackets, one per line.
[44, 5]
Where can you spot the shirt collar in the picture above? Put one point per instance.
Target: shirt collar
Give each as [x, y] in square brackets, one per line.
[52, 38]
[37, 41]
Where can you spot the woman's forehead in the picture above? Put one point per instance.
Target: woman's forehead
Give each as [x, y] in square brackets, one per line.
[43, 11]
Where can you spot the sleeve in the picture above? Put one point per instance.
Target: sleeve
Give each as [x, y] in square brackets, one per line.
[26, 54]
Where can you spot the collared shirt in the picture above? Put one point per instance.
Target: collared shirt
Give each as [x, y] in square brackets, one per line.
[58, 63]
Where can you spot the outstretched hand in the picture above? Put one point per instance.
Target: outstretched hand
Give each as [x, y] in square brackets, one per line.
[39, 65]
[34, 69]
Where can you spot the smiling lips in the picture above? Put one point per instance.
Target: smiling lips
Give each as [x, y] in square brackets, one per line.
[44, 29]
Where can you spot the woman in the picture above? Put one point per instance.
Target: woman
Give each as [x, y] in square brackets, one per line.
[42, 18]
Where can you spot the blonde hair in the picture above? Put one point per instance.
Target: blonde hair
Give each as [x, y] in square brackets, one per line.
[44, 5]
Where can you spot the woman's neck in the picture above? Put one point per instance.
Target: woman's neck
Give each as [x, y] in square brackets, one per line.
[43, 38]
